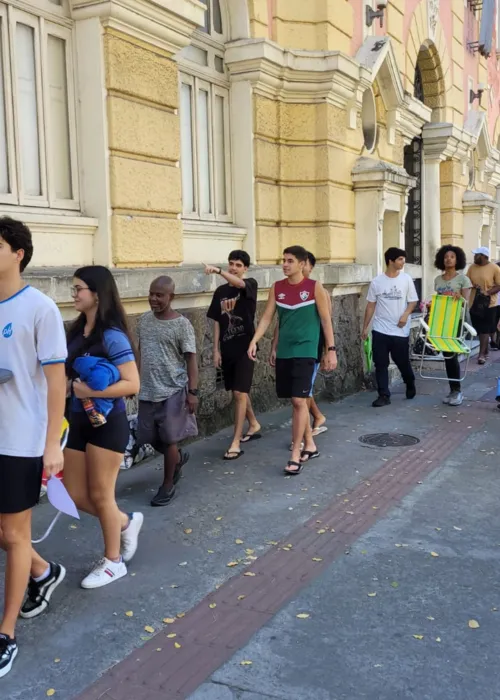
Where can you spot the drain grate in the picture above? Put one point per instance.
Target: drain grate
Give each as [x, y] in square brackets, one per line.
[389, 440]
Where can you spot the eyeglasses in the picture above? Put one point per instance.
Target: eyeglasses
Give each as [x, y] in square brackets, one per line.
[75, 291]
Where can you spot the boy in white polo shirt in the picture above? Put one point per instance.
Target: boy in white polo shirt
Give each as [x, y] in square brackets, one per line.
[33, 350]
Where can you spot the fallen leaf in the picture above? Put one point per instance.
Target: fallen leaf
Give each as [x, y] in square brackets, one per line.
[418, 636]
[159, 649]
[250, 558]
[459, 529]
[363, 551]
[438, 639]
[398, 545]
[249, 573]
[431, 618]
[50, 692]
[183, 563]
[210, 551]
[473, 624]
[71, 527]
[238, 541]
[219, 517]
[321, 532]
[169, 620]
[181, 615]
[251, 551]
[438, 529]
[246, 663]
[232, 563]
[212, 605]
[57, 661]
[149, 629]
[271, 542]
[494, 609]
[395, 584]
[434, 554]
[177, 645]
[188, 531]
[174, 585]
[371, 595]
[303, 616]
[317, 559]
[129, 613]
[241, 597]
[171, 636]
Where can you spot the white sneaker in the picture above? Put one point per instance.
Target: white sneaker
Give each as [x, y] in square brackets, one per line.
[456, 398]
[104, 572]
[130, 536]
[447, 398]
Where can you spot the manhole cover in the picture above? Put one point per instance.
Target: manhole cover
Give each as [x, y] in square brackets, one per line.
[389, 440]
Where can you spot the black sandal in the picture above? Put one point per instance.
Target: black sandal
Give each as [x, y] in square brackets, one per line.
[291, 463]
[309, 454]
[238, 454]
[250, 436]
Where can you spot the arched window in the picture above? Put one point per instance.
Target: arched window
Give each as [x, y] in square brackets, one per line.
[204, 115]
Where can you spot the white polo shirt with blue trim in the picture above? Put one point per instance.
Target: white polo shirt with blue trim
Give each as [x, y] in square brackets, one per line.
[31, 336]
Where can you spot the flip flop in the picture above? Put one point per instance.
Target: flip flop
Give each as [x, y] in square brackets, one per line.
[233, 452]
[310, 455]
[318, 431]
[251, 436]
[294, 472]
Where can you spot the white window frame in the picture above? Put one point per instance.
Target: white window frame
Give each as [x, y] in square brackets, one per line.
[46, 20]
[216, 84]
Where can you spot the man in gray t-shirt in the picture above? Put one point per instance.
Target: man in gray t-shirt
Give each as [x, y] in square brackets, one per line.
[168, 397]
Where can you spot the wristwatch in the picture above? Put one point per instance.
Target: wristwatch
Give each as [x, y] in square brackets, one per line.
[220, 271]
[332, 348]
[193, 392]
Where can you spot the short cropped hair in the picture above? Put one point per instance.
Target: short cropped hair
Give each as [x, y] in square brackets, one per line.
[394, 253]
[311, 258]
[18, 236]
[240, 255]
[297, 251]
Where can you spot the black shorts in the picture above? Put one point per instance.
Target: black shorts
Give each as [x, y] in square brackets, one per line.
[113, 435]
[294, 377]
[20, 483]
[238, 373]
[486, 322]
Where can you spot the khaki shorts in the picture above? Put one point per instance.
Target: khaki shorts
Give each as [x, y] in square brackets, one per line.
[165, 422]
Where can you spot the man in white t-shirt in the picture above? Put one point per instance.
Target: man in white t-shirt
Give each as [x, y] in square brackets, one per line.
[32, 354]
[391, 298]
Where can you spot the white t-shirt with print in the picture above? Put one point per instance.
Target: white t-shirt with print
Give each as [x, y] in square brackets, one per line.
[392, 294]
[31, 336]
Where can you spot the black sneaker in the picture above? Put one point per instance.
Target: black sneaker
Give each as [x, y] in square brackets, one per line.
[381, 401]
[163, 497]
[411, 391]
[39, 594]
[8, 652]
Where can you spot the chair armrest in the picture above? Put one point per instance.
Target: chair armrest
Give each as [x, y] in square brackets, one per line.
[424, 325]
[470, 329]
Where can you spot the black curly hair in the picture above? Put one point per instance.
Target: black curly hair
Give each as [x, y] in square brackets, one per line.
[459, 254]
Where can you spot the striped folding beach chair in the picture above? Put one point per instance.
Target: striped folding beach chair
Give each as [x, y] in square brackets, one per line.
[446, 331]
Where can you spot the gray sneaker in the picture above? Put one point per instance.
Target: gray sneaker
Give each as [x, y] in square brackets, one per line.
[447, 398]
[456, 398]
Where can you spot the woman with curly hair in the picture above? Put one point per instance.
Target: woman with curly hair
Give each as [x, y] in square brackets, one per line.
[454, 282]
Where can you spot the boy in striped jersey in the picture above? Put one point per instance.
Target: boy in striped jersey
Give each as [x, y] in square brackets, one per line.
[302, 310]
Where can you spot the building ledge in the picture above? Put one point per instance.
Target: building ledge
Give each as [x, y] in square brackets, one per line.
[190, 280]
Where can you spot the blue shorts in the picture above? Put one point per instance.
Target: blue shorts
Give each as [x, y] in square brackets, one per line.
[315, 374]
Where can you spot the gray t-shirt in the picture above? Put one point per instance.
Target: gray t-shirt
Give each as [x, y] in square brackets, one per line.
[449, 287]
[162, 346]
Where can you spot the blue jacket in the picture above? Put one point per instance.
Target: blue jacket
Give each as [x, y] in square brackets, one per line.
[98, 374]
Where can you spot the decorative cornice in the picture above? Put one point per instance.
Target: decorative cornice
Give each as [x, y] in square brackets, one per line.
[473, 201]
[167, 24]
[446, 140]
[294, 76]
[369, 173]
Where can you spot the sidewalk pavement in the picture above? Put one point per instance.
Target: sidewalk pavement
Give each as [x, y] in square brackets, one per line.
[385, 513]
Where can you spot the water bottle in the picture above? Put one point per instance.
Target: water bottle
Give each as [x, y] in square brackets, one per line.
[97, 419]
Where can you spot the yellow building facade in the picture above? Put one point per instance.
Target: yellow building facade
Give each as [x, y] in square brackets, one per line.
[147, 135]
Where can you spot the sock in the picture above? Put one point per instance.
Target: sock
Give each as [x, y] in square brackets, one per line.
[117, 561]
[45, 575]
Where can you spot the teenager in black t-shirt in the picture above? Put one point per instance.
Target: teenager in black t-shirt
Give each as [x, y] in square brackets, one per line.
[233, 310]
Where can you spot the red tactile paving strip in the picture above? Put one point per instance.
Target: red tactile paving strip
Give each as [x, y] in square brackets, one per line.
[210, 636]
